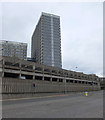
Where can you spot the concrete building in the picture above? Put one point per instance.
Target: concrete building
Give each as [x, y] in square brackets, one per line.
[24, 77]
[13, 49]
[46, 41]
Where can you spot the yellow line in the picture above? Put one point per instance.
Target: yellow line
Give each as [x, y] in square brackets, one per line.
[32, 98]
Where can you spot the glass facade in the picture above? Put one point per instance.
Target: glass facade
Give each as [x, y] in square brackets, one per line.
[46, 41]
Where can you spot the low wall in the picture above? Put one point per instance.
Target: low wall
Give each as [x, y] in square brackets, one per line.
[19, 87]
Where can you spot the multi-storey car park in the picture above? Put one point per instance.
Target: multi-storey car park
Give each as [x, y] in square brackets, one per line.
[21, 76]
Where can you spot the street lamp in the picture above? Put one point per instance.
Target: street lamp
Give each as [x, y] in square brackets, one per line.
[65, 85]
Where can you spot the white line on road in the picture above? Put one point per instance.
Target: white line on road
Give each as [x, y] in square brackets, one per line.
[32, 97]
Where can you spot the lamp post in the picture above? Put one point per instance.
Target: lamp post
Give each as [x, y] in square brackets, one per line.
[76, 67]
[65, 85]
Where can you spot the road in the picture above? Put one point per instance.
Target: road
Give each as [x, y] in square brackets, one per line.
[75, 105]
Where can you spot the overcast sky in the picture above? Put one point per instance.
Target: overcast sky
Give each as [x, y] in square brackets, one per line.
[81, 30]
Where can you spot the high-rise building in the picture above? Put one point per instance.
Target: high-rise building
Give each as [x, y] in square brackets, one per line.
[46, 41]
[13, 49]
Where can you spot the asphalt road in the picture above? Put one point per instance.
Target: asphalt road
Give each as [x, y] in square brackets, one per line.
[75, 105]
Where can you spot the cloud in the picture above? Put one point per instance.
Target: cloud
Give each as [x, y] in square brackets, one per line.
[81, 30]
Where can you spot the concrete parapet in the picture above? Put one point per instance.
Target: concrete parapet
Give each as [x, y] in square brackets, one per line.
[24, 77]
[13, 86]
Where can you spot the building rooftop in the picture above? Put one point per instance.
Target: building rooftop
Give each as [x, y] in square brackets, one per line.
[13, 42]
[48, 14]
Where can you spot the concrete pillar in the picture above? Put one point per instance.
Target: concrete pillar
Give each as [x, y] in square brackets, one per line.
[20, 75]
[2, 73]
[64, 80]
[20, 64]
[43, 73]
[51, 79]
[73, 81]
[33, 77]
[3, 68]
[34, 67]
[43, 77]
[57, 79]
[43, 70]
[20, 70]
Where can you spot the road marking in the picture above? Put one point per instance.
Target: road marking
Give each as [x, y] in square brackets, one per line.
[33, 97]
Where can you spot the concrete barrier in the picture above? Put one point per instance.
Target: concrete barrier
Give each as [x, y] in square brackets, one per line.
[13, 87]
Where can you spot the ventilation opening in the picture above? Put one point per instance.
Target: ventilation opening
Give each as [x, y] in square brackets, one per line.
[11, 75]
[38, 77]
[54, 79]
[47, 78]
[60, 80]
[27, 76]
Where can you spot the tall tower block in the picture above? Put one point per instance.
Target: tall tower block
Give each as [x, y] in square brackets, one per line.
[46, 41]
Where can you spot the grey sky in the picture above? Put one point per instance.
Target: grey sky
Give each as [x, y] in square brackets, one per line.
[81, 30]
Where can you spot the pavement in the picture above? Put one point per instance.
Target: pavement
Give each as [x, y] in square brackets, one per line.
[76, 105]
